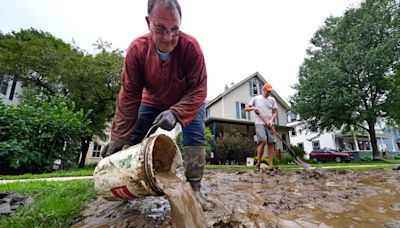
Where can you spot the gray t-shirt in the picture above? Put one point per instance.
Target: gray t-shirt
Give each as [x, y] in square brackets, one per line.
[265, 106]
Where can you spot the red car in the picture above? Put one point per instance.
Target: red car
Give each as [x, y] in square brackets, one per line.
[325, 155]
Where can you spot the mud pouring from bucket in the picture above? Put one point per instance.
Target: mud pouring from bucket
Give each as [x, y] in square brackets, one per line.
[151, 168]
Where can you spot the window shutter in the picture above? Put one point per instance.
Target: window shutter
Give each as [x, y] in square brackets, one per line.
[261, 87]
[251, 88]
[237, 110]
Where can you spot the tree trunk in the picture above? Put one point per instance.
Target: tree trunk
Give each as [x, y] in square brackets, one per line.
[376, 155]
[85, 146]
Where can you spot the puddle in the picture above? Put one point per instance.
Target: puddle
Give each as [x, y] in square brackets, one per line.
[317, 198]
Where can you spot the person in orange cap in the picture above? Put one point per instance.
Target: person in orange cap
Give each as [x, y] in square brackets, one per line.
[264, 105]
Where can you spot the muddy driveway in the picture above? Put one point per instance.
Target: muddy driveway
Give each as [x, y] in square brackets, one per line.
[273, 198]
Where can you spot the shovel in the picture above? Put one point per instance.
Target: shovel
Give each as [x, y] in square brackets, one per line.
[297, 159]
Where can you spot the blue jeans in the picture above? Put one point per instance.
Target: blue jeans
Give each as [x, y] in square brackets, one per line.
[193, 134]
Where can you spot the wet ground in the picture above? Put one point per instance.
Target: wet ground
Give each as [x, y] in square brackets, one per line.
[273, 198]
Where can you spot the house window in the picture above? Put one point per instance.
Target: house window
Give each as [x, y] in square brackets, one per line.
[255, 88]
[208, 113]
[301, 145]
[96, 150]
[293, 132]
[283, 136]
[315, 145]
[243, 113]
[300, 131]
[4, 85]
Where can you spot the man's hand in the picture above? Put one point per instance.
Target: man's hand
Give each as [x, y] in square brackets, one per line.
[166, 120]
[256, 111]
[111, 148]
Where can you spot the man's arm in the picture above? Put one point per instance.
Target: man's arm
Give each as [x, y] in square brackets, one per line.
[129, 98]
[273, 116]
[249, 108]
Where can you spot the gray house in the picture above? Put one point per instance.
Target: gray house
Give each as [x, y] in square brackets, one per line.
[227, 110]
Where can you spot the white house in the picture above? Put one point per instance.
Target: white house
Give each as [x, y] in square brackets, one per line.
[309, 140]
[227, 110]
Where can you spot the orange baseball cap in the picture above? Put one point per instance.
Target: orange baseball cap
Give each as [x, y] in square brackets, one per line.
[267, 87]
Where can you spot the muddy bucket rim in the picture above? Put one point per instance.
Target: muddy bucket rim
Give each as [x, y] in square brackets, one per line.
[148, 161]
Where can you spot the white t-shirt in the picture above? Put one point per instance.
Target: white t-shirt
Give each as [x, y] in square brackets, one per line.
[265, 106]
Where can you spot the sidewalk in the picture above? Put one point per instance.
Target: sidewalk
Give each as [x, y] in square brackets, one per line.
[47, 179]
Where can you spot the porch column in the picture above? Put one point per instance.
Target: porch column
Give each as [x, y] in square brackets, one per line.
[213, 129]
[356, 142]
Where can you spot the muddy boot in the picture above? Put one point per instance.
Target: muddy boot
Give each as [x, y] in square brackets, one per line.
[200, 198]
[194, 158]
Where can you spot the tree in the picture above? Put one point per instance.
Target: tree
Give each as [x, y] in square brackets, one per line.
[93, 84]
[38, 131]
[34, 57]
[348, 77]
[91, 81]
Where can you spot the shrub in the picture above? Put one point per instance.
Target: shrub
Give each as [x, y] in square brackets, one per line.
[37, 132]
[263, 160]
[233, 146]
[298, 150]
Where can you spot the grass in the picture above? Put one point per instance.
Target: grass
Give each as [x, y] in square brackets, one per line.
[56, 204]
[87, 171]
[332, 165]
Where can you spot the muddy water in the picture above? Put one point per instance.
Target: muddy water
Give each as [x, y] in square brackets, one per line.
[317, 198]
[185, 210]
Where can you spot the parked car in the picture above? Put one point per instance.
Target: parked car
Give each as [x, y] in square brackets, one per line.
[324, 155]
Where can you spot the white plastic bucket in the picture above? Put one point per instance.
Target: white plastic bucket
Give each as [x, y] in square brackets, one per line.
[130, 173]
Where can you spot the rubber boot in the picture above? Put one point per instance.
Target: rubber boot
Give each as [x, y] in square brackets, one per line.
[194, 158]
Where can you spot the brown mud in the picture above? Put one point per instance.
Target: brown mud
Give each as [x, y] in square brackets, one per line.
[274, 198]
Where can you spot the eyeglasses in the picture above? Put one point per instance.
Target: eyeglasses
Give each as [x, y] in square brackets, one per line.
[164, 31]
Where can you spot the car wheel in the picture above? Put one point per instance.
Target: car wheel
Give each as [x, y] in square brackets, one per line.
[315, 160]
[338, 159]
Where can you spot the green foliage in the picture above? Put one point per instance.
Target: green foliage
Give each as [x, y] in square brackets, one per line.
[38, 131]
[351, 70]
[298, 150]
[53, 205]
[91, 81]
[286, 159]
[233, 146]
[263, 160]
[209, 141]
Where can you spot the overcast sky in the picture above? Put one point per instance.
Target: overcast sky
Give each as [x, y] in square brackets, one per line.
[238, 38]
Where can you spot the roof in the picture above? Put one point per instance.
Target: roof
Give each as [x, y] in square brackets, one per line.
[255, 75]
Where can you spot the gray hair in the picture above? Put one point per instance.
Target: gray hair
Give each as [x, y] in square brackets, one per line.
[170, 4]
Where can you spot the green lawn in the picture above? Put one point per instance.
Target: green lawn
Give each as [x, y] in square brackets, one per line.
[87, 171]
[56, 204]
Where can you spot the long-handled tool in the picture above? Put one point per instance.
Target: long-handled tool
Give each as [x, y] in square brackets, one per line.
[297, 159]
